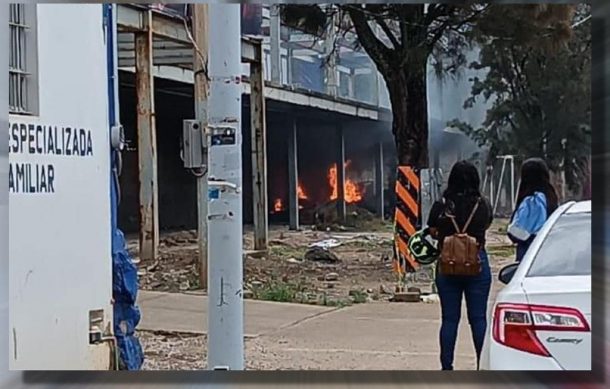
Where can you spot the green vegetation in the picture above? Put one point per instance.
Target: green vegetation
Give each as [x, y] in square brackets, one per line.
[501, 251]
[358, 296]
[288, 292]
[277, 291]
[285, 251]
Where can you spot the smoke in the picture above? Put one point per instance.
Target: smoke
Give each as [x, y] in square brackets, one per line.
[446, 98]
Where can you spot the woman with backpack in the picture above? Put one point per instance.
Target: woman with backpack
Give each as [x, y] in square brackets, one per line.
[460, 221]
[536, 201]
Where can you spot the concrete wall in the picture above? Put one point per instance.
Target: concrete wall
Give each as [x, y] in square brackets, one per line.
[60, 261]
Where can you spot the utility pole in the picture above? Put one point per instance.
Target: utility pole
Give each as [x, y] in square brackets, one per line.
[200, 58]
[225, 231]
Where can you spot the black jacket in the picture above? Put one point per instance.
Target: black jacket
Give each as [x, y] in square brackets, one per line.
[461, 207]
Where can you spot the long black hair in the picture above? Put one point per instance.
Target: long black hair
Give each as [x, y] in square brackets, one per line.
[462, 190]
[536, 177]
[464, 182]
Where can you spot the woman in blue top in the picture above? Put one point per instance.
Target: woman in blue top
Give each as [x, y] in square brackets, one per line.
[536, 201]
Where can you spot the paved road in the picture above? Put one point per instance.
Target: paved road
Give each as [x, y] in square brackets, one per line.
[372, 336]
[176, 312]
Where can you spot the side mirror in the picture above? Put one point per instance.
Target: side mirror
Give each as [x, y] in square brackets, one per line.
[507, 273]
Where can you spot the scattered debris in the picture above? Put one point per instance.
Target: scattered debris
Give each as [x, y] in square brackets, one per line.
[362, 260]
[257, 254]
[331, 277]
[326, 244]
[256, 284]
[430, 299]
[318, 254]
[384, 290]
[405, 297]
[152, 267]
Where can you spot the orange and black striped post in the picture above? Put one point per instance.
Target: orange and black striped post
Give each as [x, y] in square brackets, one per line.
[406, 219]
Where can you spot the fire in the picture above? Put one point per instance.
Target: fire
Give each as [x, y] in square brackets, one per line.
[351, 191]
[278, 206]
[301, 192]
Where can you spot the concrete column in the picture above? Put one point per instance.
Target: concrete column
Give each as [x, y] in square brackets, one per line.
[275, 40]
[225, 217]
[379, 180]
[259, 155]
[147, 144]
[351, 85]
[289, 66]
[293, 177]
[332, 79]
[341, 206]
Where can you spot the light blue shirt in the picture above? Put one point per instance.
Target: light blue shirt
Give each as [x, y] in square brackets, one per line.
[529, 218]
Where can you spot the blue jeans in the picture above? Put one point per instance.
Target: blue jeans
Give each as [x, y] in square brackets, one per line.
[476, 290]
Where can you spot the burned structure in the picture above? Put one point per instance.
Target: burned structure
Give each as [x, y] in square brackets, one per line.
[328, 122]
[318, 137]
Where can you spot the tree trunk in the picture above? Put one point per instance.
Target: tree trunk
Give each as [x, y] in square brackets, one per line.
[408, 94]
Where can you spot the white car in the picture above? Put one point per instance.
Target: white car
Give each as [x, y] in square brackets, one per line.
[541, 320]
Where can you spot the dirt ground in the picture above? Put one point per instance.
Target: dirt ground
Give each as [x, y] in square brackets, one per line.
[362, 274]
[360, 270]
[171, 351]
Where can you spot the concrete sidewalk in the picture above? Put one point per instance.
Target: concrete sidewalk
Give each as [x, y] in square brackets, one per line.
[281, 336]
[176, 312]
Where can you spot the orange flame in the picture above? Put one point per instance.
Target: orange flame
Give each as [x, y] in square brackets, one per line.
[278, 206]
[351, 191]
[301, 192]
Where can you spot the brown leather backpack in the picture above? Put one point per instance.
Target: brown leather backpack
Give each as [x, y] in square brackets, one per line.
[460, 252]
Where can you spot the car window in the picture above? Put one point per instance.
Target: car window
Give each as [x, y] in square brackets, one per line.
[566, 251]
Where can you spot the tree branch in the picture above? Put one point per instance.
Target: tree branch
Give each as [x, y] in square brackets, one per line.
[386, 29]
[375, 48]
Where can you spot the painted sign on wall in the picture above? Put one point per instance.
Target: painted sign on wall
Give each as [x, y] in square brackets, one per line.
[59, 191]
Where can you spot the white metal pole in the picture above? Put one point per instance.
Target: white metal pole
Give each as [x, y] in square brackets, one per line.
[563, 169]
[491, 184]
[225, 247]
[512, 182]
[500, 184]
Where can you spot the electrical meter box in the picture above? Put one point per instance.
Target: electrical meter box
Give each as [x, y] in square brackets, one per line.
[193, 144]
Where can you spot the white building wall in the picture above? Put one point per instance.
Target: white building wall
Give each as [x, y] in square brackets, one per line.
[60, 259]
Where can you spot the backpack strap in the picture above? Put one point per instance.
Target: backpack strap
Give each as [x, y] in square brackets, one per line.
[451, 217]
[463, 230]
[476, 206]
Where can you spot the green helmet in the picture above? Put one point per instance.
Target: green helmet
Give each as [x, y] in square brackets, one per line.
[423, 247]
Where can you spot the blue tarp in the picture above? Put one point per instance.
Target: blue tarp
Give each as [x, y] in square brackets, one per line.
[126, 312]
[124, 271]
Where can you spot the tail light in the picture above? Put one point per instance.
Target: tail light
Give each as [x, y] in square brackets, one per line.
[515, 325]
